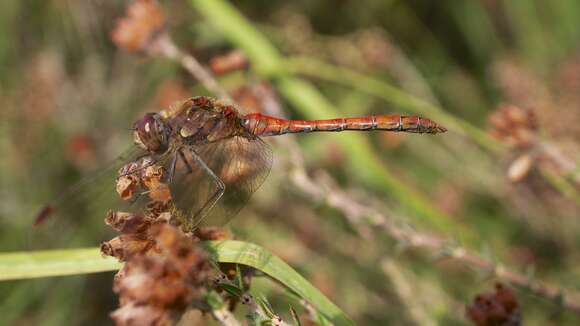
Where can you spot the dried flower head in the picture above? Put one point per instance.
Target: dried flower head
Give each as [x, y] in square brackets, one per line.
[129, 179]
[235, 60]
[161, 284]
[144, 19]
[126, 246]
[127, 222]
[144, 175]
[498, 308]
[127, 186]
[513, 126]
[153, 181]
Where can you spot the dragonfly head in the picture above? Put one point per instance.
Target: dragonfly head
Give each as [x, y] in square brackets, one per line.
[152, 133]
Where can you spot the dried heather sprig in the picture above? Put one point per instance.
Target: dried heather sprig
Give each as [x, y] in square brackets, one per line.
[126, 246]
[128, 222]
[232, 61]
[165, 270]
[143, 176]
[497, 308]
[162, 283]
[135, 31]
[514, 126]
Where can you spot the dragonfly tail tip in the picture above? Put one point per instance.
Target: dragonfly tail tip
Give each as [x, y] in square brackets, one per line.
[441, 129]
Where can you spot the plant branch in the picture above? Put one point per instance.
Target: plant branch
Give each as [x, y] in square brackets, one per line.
[164, 46]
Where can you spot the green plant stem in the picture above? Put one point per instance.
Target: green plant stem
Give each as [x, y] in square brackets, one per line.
[560, 184]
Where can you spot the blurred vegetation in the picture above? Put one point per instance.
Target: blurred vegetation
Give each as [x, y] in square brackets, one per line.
[493, 185]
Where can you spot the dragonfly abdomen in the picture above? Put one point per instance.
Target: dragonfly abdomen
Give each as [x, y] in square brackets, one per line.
[263, 125]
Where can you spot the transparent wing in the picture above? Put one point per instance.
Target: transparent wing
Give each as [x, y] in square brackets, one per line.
[238, 167]
[71, 218]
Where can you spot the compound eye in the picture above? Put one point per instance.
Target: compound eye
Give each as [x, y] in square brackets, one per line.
[146, 124]
[150, 133]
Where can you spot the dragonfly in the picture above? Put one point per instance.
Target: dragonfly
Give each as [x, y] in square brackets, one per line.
[214, 157]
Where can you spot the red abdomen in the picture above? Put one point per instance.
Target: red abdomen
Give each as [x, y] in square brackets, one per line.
[263, 125]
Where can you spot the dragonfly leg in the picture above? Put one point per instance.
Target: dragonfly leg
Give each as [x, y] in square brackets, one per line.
[221, 187]
[184, 159]
[172, 167]
[133, 200]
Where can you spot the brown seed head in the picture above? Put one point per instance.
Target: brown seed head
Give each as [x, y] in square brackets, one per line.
[135, 31]
[127, 222]
[235, 60]
[126, 246]
[127, 186]
[498, 308]
[513, 126]
[163, 282]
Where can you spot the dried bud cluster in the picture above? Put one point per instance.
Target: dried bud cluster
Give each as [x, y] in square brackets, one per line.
[517, 128]
[144, 19]
[164, 270]
[128, 223]
[137, 237]
[144, 175]
[232, 61]
[498, 308]
[513, 126]
[156, 288]
[127, 246]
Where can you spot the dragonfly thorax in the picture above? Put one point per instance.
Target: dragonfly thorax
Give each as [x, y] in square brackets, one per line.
[152, 133]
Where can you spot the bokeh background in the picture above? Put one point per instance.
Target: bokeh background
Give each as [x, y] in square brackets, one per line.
[503, 183]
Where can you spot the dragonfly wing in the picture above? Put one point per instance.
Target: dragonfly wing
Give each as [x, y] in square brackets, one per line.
[70, 214]
[240, 163]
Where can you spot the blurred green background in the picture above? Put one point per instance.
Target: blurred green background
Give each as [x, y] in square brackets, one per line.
[69, 96]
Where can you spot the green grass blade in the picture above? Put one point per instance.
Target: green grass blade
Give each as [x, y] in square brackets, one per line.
[257, 257]
[264, 56]
[36, 264]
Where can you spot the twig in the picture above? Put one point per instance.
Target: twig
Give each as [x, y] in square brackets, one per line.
[164, 46]
[324, 189]
[566, 165]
